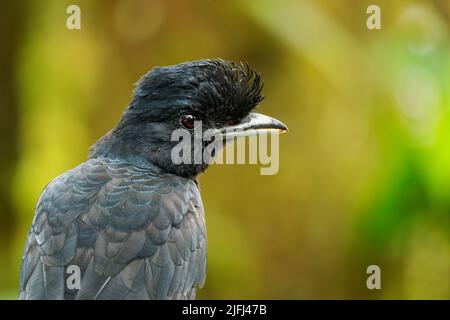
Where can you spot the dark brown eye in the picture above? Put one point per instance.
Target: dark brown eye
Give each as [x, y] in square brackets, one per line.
[188, 121]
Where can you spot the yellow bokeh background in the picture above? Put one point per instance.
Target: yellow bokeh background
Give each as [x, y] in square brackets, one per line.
[364, 171]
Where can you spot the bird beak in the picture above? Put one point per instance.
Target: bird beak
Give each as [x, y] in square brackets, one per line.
[253, 124]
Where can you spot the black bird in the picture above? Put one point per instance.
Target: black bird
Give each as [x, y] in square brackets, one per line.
[129, 223]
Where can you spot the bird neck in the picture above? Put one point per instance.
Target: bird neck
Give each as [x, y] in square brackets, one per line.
[142, 151]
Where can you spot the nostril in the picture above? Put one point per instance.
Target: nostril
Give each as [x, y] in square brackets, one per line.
[233, 122]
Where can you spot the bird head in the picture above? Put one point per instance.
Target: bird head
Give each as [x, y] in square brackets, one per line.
[217, 94]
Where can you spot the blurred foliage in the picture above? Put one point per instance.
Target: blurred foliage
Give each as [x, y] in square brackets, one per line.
[364, 171]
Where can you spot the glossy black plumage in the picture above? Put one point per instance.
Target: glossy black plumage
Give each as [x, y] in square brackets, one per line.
[129, 218]
[134, 232]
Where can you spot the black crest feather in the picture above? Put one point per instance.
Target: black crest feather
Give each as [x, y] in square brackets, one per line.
[209, 86]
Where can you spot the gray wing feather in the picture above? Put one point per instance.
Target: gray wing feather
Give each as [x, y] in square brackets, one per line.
[134, 234]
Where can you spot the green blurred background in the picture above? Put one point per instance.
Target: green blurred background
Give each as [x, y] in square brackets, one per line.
[364, 171]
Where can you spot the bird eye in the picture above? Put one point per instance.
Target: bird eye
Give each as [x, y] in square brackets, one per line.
[188, 121]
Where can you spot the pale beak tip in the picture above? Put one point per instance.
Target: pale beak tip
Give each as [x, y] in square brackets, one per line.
[282, 128]
[285, 129]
